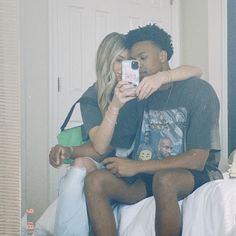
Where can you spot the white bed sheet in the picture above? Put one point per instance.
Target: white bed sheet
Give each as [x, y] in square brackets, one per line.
[209, 211]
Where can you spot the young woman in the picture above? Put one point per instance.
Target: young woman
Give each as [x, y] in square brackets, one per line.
[100, 106]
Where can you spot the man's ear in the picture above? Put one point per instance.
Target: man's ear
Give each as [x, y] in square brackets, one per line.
[163, 56]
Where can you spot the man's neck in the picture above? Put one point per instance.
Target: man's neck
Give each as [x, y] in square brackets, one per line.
[165, 86]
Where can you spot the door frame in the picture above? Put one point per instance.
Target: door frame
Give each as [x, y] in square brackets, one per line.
[53, 83]
[217, 67]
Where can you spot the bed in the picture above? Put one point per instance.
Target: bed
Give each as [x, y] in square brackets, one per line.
[208, 211]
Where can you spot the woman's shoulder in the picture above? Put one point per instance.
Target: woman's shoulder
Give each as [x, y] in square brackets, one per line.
[90, 94]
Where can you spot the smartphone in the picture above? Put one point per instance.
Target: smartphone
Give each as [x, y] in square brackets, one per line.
[130, 71]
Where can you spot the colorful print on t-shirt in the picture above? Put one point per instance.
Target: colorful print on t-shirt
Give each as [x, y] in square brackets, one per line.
[162, 134]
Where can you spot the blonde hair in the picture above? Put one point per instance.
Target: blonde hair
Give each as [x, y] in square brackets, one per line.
[110, 48]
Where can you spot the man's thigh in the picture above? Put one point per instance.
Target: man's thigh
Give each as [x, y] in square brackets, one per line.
[115, 188]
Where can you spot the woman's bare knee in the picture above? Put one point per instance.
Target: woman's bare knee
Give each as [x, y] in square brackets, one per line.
[86, 163]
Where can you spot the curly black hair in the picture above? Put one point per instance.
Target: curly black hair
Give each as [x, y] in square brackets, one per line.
[152, 33]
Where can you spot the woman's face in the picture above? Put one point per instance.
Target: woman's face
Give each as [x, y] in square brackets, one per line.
[117, 64]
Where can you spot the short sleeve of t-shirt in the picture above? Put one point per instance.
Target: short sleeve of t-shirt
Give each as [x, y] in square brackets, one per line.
[90, 110]
[203, 129]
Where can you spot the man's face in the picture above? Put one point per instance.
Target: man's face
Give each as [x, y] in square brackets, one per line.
[166, 147]
[149, 56]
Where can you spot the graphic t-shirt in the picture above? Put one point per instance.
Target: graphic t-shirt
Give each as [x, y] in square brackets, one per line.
[171, 121]
[90, 110]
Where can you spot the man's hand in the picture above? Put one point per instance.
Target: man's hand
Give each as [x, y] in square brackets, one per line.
[152, 83]
[121, 167]
[57, 155]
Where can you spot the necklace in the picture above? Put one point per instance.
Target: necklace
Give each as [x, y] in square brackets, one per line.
[168, 97]
[163, 122]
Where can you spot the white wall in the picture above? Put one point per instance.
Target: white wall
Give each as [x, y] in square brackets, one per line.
[203, 42]
[34, 70]
[194, 33]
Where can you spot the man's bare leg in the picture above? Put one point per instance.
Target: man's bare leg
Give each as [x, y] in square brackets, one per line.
[102, 187]
[170, 186]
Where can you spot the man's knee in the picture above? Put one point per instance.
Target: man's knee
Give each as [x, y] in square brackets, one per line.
[172, 183]
[94, 182]
[163, 182]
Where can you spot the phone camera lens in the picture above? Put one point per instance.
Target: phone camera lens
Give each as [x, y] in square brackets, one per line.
[134, 65]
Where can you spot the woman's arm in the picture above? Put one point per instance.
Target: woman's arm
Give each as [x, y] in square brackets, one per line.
[100, 136]
[152, 83]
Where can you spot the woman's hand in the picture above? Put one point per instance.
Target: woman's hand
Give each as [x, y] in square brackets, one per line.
[124, 92]
[58, 154]
[121, 167]
[152, 83]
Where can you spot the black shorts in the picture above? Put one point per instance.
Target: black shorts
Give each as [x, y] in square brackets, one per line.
[200, 178]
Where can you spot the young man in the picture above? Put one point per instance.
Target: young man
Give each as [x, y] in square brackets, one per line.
[186, 112]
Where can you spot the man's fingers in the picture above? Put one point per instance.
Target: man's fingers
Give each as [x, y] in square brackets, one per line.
[146, 93]
[56, 156]
[110, 166]
[52, 162]
[108, 160]
[149, 93]
[143, 91]
[113, 171]
[61, 156]
[51, 157]
[140, 86]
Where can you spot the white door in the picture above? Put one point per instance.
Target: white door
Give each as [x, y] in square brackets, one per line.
[81, 26]
[78, 26]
